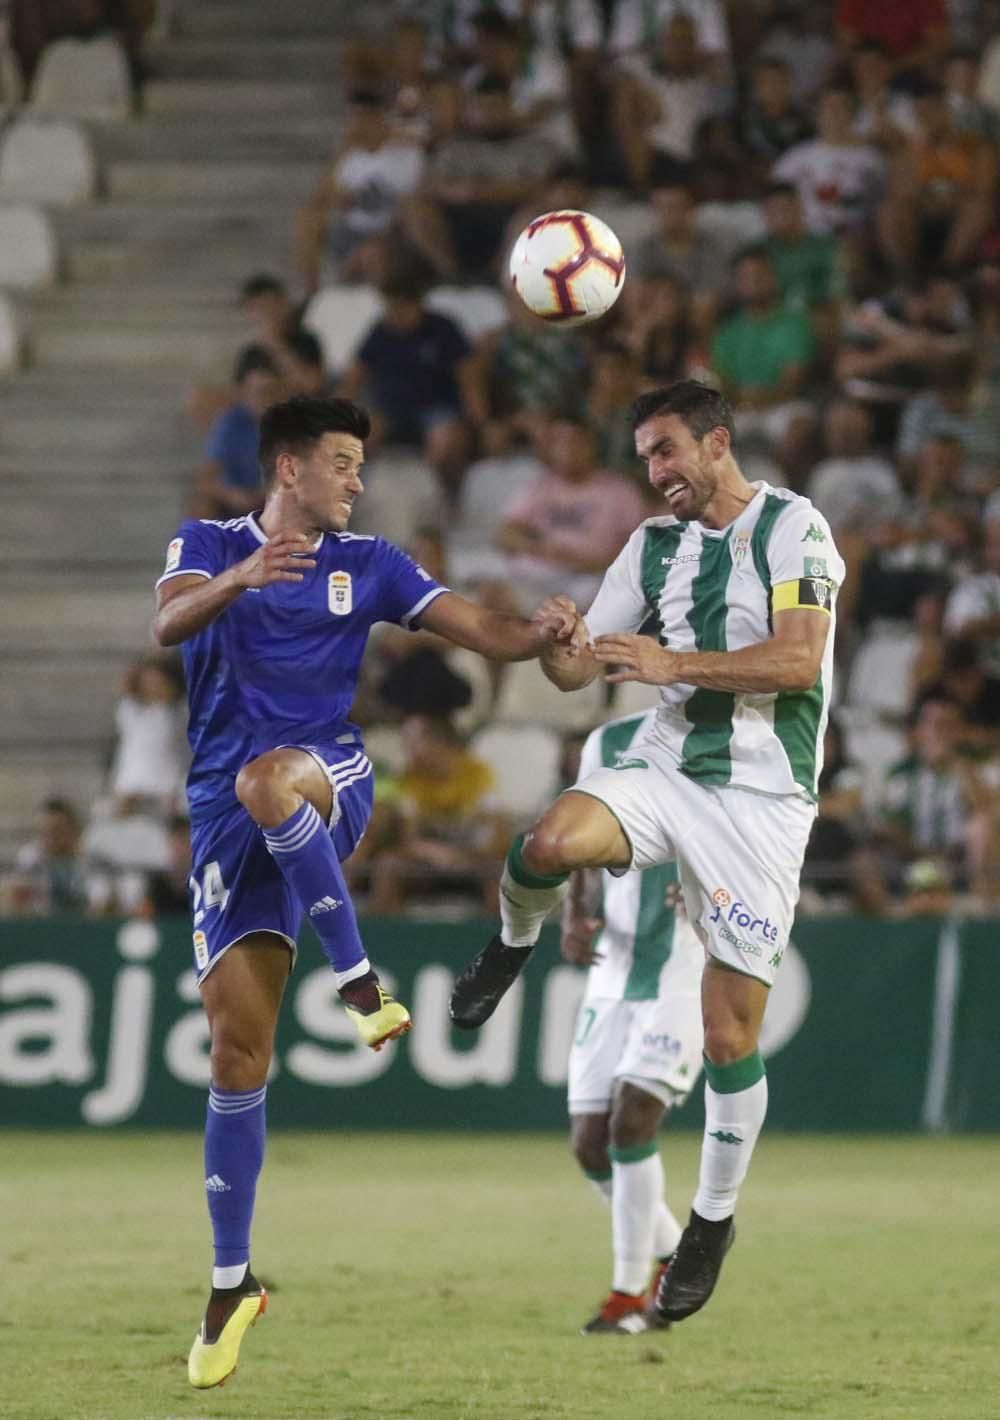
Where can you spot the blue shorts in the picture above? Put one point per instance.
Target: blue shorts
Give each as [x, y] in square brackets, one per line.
[236, 887]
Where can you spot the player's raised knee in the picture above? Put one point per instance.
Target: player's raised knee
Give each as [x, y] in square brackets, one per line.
[550, 848]
[239, 1062]
[266, 787]
[729, 1040]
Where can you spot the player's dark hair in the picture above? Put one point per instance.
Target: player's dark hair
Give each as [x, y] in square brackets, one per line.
[699, 407]
[295, 426]
[262, 283]
[253, 359]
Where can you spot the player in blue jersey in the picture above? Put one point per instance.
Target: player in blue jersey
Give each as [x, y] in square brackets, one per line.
[273, 612]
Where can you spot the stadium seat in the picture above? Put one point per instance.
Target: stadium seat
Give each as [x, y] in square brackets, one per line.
[340, 316]
[28, 254]
[476, 309]
[527, 698]
[83, 78]
[525, 761]
[51, 163]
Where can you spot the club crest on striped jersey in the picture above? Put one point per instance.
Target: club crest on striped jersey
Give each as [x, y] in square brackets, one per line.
[739, 550]
[340, 593]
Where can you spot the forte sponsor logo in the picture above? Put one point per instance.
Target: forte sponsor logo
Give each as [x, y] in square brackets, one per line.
[740, 915]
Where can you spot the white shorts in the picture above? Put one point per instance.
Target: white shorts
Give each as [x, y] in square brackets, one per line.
[738, 852]
[654, 1045]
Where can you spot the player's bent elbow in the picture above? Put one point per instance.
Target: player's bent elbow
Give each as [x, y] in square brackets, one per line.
[164, 634]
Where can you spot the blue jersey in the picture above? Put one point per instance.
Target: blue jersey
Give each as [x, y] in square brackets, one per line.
[280, 665]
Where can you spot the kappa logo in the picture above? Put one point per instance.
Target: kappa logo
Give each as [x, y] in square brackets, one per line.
[688, 557]
[724, 1136]
[623, 763]
[814, 533]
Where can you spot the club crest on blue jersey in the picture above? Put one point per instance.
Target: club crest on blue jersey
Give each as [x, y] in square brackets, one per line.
[339, 594]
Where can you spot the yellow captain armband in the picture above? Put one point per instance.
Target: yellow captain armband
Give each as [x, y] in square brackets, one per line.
[814, 593]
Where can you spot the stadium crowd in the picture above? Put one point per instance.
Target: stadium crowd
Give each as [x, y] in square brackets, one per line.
[808, 198]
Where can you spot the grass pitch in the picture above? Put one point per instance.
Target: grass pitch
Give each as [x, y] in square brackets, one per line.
[424, 1277]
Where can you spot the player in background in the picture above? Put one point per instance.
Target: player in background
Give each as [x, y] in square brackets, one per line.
[273, 613]
[637, 1049]
[740, 582]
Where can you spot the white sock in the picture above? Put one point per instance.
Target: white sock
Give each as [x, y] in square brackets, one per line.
[524, 909]
[635, 1203]
[733, 1120]
[229, 1276]
[360, 968]
[667, 1233]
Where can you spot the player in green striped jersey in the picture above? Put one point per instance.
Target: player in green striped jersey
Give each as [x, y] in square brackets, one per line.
[636, 1051]
[738, 582]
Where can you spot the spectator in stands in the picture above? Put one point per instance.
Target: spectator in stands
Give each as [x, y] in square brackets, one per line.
[638, 27]
[854, 485]
[49, 874]
[884, 116]
[925, 804]
[539, 82]
[474, 182]
[662, 332]
[658, 102]
[952, 408]
[166, 892]
[807, 264]
[839, 178]
[413, 368]
[228, 482]
[890, 346]
[449, 832]
[420, 100]
[339, 233]
[798, 33]
[614, 383]
[763, 353]
[973, 609]
[561, 534]
[961, 85]
[838, 866]
[521, 371]
[941, 198]
[124, 841]
[963, 678]
[150, 758]
[915, 33]
[772, 121]
[679, 248]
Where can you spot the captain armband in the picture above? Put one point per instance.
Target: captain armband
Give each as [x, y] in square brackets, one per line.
[813, 592]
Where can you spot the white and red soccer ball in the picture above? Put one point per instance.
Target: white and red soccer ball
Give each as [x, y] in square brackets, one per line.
[568, 267]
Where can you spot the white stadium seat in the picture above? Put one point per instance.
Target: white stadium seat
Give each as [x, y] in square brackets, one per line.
[340, 316]
[28, 254]
[83, 78]
[527, 698]
[52, 163]
[525, 761]
[475, 309]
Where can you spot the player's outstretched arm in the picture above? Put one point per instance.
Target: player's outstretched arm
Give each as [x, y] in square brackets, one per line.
[186, 605]
[790, 659]
[499, 636]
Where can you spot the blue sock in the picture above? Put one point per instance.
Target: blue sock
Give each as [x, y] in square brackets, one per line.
[304, 851]
[234, 1153]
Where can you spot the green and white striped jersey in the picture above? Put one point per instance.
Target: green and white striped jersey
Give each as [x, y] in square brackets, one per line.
[701, 589]
[642, 931]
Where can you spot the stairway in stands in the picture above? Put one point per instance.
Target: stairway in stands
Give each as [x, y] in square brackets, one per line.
[95, 447]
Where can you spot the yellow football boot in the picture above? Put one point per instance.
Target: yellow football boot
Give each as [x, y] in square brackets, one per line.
[212, 1362]
[377, 1016]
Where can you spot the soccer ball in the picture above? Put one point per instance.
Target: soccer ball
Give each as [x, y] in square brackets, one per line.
[568, 267]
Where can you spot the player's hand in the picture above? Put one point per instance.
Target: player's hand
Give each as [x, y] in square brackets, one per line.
[283, 558]
[577, 940]
[636, 658]
[560, 622]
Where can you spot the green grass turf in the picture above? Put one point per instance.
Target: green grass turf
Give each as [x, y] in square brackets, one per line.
[445, 1278]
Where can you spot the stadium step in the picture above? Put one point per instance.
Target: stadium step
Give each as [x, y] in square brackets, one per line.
[281, 98]
[71, 524]
[201, 352]
[221, 136]
[243, 57]
[45, 621]
[66, 700]
[194, 181]
[272, 19]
